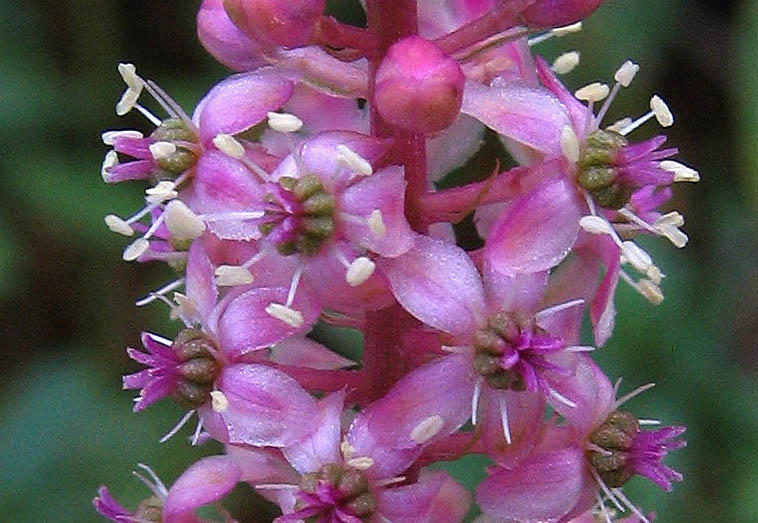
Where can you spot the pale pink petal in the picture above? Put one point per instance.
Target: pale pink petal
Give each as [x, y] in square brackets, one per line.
[259, 466]
[564, 322]
[537, 232]
[438, 284]
[576, 109]
[222, 39]
[602, 310]
[208, 480]
[266, 407]
[303, 352]
[453, 147]
[513, 293]
[323, 445]
[222, 183]
[434, 498]
[200, 284]
[544, 487]
[527, 114]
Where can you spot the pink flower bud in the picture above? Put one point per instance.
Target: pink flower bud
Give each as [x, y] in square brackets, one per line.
[555, 13]
[418, 87]
[274, 22]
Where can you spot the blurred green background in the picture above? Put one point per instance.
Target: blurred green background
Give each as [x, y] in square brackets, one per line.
[66, 298]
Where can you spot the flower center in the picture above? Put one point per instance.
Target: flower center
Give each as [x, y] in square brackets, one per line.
[614, 438]
[198, 368]
[174, 155]
[150, 510]
[497, 352]
[332, 491]
[598, 172]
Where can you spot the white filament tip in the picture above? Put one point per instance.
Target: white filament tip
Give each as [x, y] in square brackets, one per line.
[359, 271]
[595, 225]
[118, 225]
[129, 74]
[361, 463]
[626, 73]
[427, 429]
[109, 136]
[229, 145]
[353, 160]
[163, 191]
[682, 173]
[233, 275]
[637, 256]
[135, 249]
[568, 29]
[570, 144]
[284, 123]
[566, 63]
[110, 160]
[182, 223]
[376, 223]
[219, 401]
[662, 112]
[618, 125]
[651, 291]
[288, 315]
[162, 150]
[593, 92]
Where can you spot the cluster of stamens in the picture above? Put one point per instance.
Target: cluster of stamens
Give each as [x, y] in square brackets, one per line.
[597, 172]
[336, 487]
[610, 442]
[198, 370]
[173, 148]
[490, 344]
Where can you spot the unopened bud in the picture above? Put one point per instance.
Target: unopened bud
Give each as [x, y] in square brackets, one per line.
[288, 23]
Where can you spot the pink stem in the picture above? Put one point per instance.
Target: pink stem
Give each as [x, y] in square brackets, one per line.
[322, 379]
[335, 34]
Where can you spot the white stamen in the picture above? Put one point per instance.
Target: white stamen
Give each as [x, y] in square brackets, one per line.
[347, 450]
[453, 349]
[580, 348]
[177, 427]
[626, 73]
[682, 173]
[110, 160]
[389, 481]
[475, 400]
[229, 145]
[160, 339]
[631, 505]
[118, 225]
[293, 286]
[563, 399]
[198, 429]
[603, 508]
[566, 63]
[276, 486]
[291, 317]
[359, 271]
[284, 123]
[353, 160]
[636, 392]
[545, 313]
[182, 223]
[129, 74]
[618, 125]
[567, 29]
[219, 402]
[594, 92]
[655, 274]
[376, 223]
[637, 256]
[651, 291]
[165, 190]
[232, 275]
[648, 422]
[162, 491]
[427, 429]
[136, 249]
[128, 101]
[673, 234]
[162, 150]
[596, 225]
[606, 490]
[672, 218]
[185, 307]
[662, 112]
[570, 144]
[361, 463]
[504, 418]
[160, 292]
[110, 136]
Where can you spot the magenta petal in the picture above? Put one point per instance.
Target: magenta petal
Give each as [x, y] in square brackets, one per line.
[576, 109]
[222, 39]
[240, 102]
[527, 114]
[602, 310]
[245, 325]
[543, 488]
[385, 191]
[438, 284]
[323, 445]
[266, 407]
[201, 285]
[537, 232]
[434, 498]
[206, 481]
[223, 183]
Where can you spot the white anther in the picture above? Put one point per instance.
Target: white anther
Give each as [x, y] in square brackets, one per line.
[662, 112]
[566, 63]
[219, 401]
[229, 145]
[135, 249]
[118, 225]
[673, 218]
[682, 173]
[595, 225]
[570, 144]
[566, 30]
[162, 150]
[361, 463]
[353, 160]
[651, 291]
[376, 223]
[110, 136]
[110, 160]
[233, 275]
[163, 191]
[672, 233]
[637, 256]
[182, 223]
[184, 306]
[288, 315]
[626, 73]
[127, 102]
[655, 274]
[618, 125]
[347, 450]
[129, 74]
[593, 92]
[359, 271]
[284, 122]
[427, 429]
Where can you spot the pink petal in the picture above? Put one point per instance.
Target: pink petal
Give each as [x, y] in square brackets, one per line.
[527, 114]
[206, 481]
[304, 352]
[576, 109]
[222, 39]
[453, 147]
[201, 285]
[245, 325]
[266, 407]
[323, 445]
[563, 322]
[512, 293]
[385, 191]
[602, 310]
[434, 498]
[438, 284]
[537, 232]
[223, 183]
[240, 102]
[545, 487]
[259, 466]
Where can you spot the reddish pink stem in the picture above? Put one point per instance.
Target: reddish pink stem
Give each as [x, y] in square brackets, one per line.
[335, 34]
[323, 380]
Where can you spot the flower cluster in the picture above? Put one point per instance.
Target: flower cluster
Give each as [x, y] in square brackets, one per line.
[302, 189]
